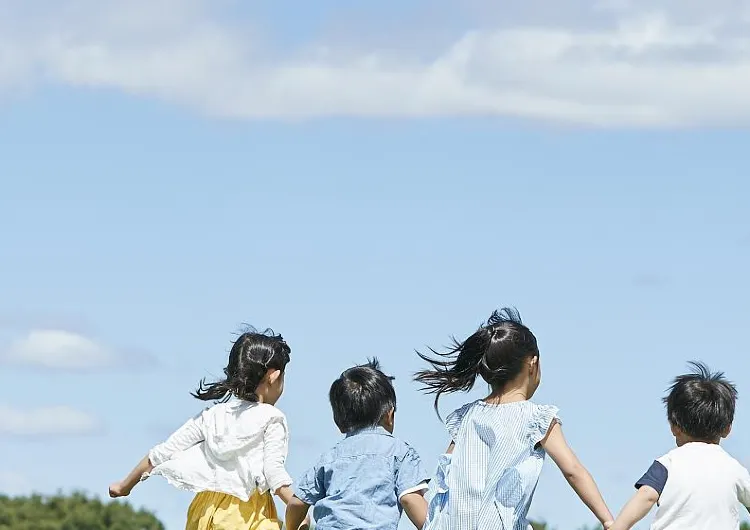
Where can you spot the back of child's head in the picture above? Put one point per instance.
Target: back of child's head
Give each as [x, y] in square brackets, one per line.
[252, 355]
[497, 351]
[701, 404]
[361, 397]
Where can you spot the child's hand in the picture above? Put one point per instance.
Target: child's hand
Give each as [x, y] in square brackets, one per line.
[608, 525]
[118, 489]
[305, 524]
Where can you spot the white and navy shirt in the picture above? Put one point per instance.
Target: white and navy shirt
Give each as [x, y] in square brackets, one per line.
[700, 487]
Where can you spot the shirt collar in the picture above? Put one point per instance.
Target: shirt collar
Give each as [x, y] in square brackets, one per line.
[376, 429]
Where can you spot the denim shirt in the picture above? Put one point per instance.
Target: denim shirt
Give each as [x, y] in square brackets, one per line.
[358, 483]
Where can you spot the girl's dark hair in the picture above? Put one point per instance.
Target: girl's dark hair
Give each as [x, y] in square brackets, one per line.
[496, 351]
[251, 356]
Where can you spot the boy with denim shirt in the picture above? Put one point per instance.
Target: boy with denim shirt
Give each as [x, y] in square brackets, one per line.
[697, 486]
[366, 479]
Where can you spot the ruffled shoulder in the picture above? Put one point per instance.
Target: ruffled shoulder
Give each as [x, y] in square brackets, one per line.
[542, 419]
[455, 419]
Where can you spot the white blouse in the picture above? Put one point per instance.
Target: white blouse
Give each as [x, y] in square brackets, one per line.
[236, 448]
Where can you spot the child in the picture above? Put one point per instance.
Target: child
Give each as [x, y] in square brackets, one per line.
[366, 479]
[697, 486]
[490, 470]
[233, 453]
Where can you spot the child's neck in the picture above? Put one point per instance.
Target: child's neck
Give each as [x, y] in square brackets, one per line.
[683, 440]
[508, 394]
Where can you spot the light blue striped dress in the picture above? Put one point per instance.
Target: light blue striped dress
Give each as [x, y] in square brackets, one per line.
[489, 480]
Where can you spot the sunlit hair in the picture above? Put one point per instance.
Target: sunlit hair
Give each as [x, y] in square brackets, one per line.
[361, 397]
[496, 351]
[251, 356]
[701, 403]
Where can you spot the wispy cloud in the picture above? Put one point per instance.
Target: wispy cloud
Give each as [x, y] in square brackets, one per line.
[55, 349]
[46, 421]
[618, 63]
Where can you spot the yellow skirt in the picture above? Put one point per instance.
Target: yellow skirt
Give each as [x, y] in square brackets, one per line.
[219, 511]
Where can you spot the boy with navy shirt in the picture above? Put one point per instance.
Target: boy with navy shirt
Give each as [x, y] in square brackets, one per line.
[367, 479]
[697, 485]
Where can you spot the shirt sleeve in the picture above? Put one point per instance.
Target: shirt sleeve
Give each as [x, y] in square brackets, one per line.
[190, 434]
[410, 475]
[544, 417]
[743, 488]
[655, 477]
[275, 448]
[311, 487]
[454, 420]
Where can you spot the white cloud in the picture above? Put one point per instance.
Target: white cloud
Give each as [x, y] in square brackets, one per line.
[621, 63]
[61, 350]
[57, 349]
[46, 421]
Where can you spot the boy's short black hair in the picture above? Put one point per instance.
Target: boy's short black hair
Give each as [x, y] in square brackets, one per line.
[701, 404]
[361, 397]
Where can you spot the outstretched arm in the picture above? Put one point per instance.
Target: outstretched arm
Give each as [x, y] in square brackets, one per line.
[577, 476]
[636, 509]
[190, 434]
[124, 487]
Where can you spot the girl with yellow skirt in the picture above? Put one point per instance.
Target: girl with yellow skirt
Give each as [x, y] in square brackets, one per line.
[232, 455]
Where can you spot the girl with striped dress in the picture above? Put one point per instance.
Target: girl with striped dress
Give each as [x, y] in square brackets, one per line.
[487, 476]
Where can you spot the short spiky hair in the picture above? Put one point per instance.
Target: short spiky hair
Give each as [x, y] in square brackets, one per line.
[701, 403]
[361, 397]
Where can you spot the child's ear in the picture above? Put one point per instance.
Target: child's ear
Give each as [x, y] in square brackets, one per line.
[272, 375]
[727, 432]
[390, 419]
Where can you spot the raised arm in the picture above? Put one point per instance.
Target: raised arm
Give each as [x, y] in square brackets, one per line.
[185, 437]
[577, 476]
[190, 434]
[124, 487]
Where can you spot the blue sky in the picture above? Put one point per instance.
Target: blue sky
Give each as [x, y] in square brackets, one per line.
[141, 228]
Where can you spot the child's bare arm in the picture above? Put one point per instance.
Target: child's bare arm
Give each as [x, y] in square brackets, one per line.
[636, 509]
[575, 473]
[415, 506]
[296, 514]
[285, 493]
[124, 487]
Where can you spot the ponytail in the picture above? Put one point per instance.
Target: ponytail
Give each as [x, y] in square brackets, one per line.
[241, 386]
[496, 351]
[251, 356]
